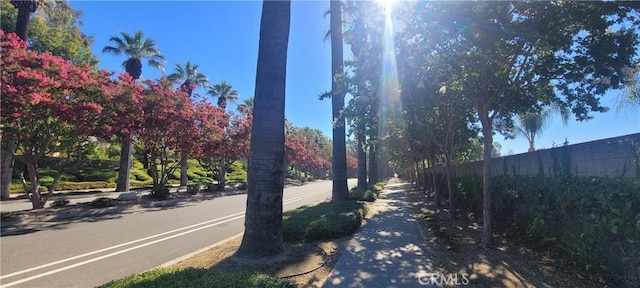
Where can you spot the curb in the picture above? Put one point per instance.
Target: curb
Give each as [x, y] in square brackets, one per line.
[187, 256]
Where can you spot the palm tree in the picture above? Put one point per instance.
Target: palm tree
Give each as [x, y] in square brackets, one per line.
[249, 103]
[25, 8]
[223, 91]
[340, 190]
[191, 78]
[630, 97]
[137, 48]
[10, 142]
[263, 219]
[531, 124]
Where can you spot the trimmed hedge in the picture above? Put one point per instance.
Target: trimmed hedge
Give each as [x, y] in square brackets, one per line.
[596, 219]
[192, 277]
[323, 221]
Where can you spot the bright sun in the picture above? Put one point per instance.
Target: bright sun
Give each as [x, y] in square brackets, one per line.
[387, 4]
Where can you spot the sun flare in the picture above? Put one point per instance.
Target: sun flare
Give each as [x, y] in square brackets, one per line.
[386, 4]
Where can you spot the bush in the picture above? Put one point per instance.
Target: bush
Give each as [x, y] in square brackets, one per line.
[211, 188]
[97, 175]
[596, 219]
[323, 221]
[140, 175]
[160, 193]
[65, 186]
[197, 277]
[59, 202]
[193, 189]
[102, 202]
[369, 195]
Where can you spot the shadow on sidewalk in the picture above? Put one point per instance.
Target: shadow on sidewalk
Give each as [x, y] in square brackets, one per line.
[388, 251]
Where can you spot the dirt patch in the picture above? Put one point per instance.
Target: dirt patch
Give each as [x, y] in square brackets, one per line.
[454, 248]
[306, 264]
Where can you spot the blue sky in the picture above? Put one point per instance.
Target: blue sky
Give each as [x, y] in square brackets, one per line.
[222, 37]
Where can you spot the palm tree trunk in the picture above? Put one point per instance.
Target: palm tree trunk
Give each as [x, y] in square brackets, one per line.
[184, 179]
[339, 162]
[123, 182]
[263, 219]
[7, 151]
[25, 8]
[362, 165]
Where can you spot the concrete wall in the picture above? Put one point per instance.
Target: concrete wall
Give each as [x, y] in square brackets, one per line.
[611, 157]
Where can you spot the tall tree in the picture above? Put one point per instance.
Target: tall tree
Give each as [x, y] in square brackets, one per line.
[340, 189]
[518, 55]
[191, 79]
[263, 219]
[224, 92]
[10, 141]
[137, 48]
[50, 104]
[25, 8]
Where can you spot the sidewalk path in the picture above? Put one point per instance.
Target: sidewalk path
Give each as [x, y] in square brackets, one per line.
[388, 251]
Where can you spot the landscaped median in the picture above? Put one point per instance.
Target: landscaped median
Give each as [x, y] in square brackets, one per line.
[307, 224]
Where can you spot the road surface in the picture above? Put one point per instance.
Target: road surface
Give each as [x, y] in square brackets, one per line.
[90, 252]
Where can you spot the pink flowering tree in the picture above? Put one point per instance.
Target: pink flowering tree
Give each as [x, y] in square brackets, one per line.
[168, 125]
[49, 105]
[225, 140]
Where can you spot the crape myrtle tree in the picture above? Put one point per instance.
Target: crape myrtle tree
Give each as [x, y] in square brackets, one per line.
[263, 219]
[303, 154]
[47, 103]
[191, 79]
[509, 51]
[228, 144]
[137, 48]
[168, 126]
[54, 29]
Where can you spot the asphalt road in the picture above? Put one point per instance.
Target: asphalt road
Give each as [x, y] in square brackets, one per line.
[91, 252]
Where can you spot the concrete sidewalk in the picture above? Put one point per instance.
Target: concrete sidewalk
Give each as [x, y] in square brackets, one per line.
[388, 250]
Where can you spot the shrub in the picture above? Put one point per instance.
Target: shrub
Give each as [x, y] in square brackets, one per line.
[140, 175]
[369, 195]
[193, 189]
[66, 186]
[102, 202]
[323, 221]
[160, 193]
[59, 202]
[211, 188]
[97, 175]
[198, 277]
[596, 219]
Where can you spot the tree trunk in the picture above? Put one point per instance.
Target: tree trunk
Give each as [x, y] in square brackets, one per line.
[123, 182]
[362, 165]
[450, 186]
[184, 178]
[22, 22]
[340, 189]
[222, 174]
[373, 165]
[36, 197]
[425, 178]
[8, 149]
[436, 193]
[487, 203]
[263, 219]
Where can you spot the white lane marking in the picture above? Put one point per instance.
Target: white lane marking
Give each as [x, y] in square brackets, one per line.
[241, 215]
